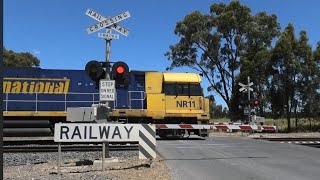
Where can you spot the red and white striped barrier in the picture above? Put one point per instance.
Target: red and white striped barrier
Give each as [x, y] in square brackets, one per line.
[225, 123]
[227, 126]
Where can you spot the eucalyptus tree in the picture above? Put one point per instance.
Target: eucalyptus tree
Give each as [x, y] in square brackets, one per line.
[307, 80]
[23, 59]
[293, 73]
[214, 43]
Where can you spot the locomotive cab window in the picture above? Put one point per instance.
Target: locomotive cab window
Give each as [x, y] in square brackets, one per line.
[170, 89]
[182, 89]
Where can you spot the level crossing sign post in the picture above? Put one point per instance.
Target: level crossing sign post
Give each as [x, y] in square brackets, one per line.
[109, 24]
[247, 88]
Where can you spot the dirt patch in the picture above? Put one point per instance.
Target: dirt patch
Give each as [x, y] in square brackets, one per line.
[125, 169]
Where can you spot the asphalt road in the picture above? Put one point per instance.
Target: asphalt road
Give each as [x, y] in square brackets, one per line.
[228, 158]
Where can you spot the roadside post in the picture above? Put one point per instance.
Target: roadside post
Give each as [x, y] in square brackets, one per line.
[103, 154]
[104, 133]
[59, 158]
[109, 24]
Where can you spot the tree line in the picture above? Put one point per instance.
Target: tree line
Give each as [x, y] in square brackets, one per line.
[18, 60]
[230, 43]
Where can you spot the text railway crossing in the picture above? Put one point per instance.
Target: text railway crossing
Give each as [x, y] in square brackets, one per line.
[91, 13]
[107, 22]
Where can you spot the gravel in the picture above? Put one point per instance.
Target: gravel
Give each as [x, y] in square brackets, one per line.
[79, 165]
[16, 159]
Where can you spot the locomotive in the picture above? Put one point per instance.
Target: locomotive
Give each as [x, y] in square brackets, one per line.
[41, 97]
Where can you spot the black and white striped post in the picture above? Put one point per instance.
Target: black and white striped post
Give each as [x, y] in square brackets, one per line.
[147, 141]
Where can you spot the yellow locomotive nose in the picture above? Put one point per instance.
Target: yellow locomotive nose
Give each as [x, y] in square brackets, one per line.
[171, 98]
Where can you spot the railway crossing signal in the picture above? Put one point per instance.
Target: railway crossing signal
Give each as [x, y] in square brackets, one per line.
[247, 88]
[120, 73]
[256, 102]
[108, 23]
[94, 69]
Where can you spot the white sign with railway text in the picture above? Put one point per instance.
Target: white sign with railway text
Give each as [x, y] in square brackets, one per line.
[108, 36]
[107, 91]
[108, 22]
[88, 132]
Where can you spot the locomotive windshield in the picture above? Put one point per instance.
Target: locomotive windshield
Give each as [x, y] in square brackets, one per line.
[182, 89]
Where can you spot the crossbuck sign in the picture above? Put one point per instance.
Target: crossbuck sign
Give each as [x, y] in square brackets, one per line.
[244, 88]
[109, 23]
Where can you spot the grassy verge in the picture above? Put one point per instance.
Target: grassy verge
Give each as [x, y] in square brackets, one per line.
[303, 125]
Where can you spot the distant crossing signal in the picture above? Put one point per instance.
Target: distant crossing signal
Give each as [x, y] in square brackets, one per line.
[255, 102]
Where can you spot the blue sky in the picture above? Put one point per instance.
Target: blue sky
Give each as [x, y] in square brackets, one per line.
[55, 30]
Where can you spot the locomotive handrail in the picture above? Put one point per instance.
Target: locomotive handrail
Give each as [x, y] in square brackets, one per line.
[142, 98]
[36, 101]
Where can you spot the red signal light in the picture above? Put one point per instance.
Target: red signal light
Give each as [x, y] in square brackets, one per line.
[120, 70]
[256, 102]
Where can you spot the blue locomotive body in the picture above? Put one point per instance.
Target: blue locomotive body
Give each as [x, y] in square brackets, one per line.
[49, 92]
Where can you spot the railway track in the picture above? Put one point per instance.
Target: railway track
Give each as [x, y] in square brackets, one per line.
[311, 142]
[30, 146]
[290, 139]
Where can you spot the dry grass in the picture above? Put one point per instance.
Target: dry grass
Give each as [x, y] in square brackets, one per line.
[303, 125]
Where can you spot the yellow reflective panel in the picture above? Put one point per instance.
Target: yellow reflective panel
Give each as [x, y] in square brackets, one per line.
[153, 82]
[182, 77]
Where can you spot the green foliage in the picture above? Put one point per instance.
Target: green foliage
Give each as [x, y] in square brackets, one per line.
[216, 111]
[230, 43]
[24, 59]
[214, 44]
[294, 76]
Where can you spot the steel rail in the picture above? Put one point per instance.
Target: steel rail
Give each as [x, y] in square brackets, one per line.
[305, 141]
[290, 139]
[51, 142]
[78, 148]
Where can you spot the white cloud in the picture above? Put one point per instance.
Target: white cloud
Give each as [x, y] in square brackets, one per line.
[35, 51]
